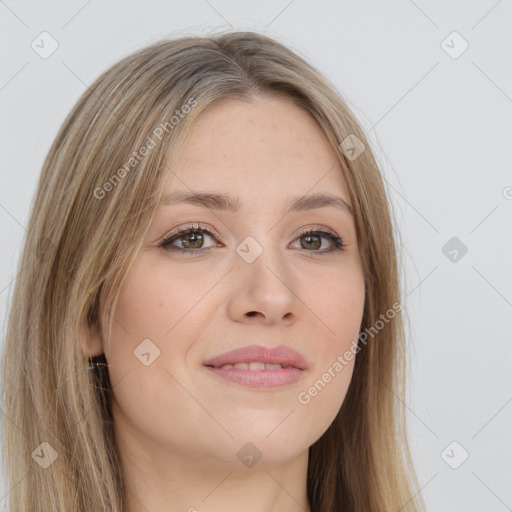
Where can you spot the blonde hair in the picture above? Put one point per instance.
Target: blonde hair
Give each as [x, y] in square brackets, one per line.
[95, 201]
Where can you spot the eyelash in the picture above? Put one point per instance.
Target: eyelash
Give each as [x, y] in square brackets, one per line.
[176, 235]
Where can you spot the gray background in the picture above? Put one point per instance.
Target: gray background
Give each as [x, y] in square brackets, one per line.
[440, 124]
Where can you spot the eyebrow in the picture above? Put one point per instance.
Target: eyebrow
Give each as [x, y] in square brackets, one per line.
[225, 202]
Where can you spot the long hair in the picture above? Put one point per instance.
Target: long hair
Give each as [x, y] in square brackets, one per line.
[99, 188]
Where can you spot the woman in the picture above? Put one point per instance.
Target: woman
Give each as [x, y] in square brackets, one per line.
[208, 311]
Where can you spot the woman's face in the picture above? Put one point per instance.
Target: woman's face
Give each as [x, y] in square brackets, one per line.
[255, 279]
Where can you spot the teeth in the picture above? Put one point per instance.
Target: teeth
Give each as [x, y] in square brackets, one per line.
[254, 365]
[275, 366]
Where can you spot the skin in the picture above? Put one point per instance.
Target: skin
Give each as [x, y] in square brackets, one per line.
[178, 425]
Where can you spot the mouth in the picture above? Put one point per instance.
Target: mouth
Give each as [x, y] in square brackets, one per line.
[259, 367]
[253, 366]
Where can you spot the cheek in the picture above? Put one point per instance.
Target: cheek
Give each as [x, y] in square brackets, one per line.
[320, 398]
[159, 315]
[153, 301]
[338, 306]
[337, 301]
[152, 330]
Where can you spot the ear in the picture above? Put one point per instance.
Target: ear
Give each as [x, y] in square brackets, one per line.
[91, 340]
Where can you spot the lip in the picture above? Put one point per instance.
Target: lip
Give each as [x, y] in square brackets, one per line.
[282, 355]
[294, 363]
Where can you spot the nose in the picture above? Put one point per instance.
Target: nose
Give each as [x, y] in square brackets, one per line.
[264, 291]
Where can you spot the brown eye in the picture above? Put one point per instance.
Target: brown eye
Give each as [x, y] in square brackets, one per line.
[312, 241]
[191, 240]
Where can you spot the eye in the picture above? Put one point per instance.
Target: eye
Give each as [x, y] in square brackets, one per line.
[192, 239]
[312, 239]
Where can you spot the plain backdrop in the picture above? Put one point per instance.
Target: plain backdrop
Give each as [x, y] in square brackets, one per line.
[431, 82]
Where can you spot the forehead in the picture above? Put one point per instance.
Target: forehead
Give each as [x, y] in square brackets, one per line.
[264, 147]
